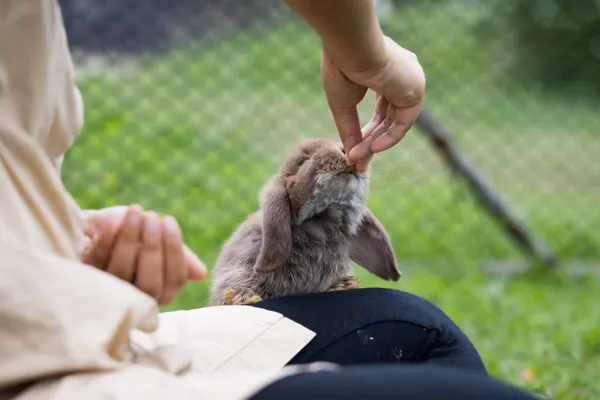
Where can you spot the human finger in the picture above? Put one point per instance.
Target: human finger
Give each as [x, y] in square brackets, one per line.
[403, 121]
[379, 112]
[96, 221]
[363, 150]
[100, 248]
[362, 165]
[150, 263]
[196, 268]
[124, 255]
[175, 272]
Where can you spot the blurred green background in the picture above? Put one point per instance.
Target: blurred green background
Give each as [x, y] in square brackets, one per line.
[192, 105]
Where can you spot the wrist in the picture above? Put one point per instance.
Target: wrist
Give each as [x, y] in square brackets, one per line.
[364, 53]
[349, 31]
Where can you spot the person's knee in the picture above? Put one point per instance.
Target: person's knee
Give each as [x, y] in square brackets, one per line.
[343, 320]
[447, 343]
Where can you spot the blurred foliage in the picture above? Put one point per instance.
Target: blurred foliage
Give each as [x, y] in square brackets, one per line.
[195, 127]
[556, 42]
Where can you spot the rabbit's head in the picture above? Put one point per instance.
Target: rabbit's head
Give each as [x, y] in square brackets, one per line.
[315, 176]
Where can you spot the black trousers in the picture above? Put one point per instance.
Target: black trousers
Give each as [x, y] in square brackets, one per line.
[390, 344]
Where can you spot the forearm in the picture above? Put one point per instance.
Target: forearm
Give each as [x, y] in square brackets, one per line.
[349, 30]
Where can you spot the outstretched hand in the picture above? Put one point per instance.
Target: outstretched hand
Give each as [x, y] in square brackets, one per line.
[141, 248]
[399, 85]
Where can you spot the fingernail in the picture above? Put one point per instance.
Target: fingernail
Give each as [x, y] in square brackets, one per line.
[171, 226]
[135, 215]
[151, 223]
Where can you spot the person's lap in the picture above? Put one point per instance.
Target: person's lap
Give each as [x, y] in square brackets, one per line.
[414, 350]
[373, 325]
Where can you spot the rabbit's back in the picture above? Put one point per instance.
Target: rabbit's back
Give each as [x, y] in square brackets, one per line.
[319, 259]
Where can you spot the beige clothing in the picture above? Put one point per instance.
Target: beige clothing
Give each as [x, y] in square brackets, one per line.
[68, 330]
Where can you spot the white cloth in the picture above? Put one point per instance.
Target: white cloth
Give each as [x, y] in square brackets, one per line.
[68, 330]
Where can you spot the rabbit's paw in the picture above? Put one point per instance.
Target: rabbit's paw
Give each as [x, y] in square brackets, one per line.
[347, 283]
[240, 297]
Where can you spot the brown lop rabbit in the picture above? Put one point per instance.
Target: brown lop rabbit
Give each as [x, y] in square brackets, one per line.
[312, 223]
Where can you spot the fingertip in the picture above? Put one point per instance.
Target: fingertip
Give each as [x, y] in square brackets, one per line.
[196, 269]
[152, 225]
[134, 218]
[136, 208]
[361, 150]
[197, 274]
[170, 226]
[150, 217]
[347, 123]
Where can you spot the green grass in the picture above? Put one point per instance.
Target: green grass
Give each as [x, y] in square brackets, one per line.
[196, 134]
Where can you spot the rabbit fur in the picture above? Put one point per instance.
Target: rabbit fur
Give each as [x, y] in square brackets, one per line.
[312, 223]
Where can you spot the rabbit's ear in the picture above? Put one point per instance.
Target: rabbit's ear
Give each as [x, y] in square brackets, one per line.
[371, 248]
[276, 243]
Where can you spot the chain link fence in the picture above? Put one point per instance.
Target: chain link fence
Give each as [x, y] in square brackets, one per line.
[192, 104]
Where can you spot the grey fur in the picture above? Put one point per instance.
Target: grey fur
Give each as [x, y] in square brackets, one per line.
[312, 223]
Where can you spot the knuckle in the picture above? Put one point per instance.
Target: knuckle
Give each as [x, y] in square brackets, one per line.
[151, 283]
[174, 246]
[96, 262]
[101, 254]
[152, 290]
[168, 295]
[121, 271]
[90, 259]
[420, 83]
[89, 256]
[130, 232]
[130, 236]
[152, 245]
[413, 96]
[166, 299]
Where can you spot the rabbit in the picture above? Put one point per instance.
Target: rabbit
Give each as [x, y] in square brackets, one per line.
[313, 221]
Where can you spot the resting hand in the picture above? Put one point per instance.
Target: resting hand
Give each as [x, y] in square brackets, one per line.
[399, 84]
[141, 248]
